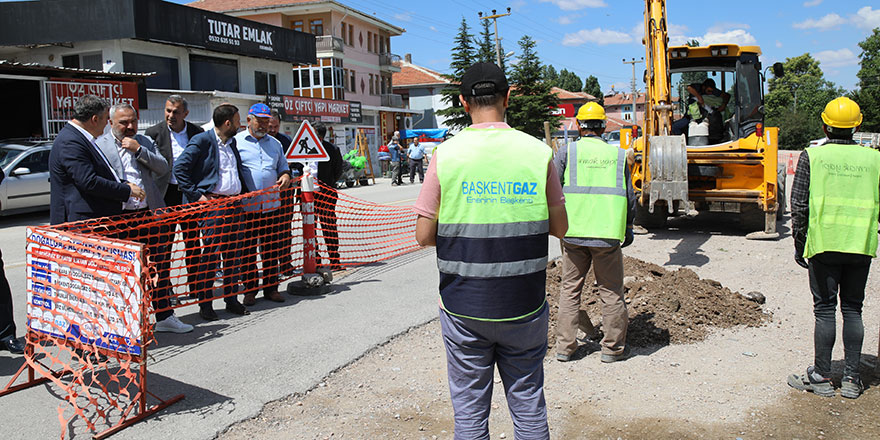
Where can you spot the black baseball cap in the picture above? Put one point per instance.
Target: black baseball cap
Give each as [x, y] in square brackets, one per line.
[483, 73]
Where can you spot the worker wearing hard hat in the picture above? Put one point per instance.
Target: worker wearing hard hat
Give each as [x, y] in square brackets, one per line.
[835, 201]
[601, 208]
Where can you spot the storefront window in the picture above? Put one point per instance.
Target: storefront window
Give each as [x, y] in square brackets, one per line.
[209, 73]
[167, 72]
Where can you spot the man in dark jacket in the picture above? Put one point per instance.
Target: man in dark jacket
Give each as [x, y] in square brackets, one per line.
[210, 169]
[171, 138]
[329, 173]
[8, 341]
[82, 183]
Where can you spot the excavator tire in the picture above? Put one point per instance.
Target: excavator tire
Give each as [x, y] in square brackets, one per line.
[648, 220]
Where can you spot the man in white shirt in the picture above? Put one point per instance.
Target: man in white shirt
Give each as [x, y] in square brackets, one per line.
[171, 137]
[265, 167]
[134, 157]
[210, 168]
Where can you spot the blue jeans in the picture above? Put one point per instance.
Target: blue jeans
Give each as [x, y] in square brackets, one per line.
[473, 348]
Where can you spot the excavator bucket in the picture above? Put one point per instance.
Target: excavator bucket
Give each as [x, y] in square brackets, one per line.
[668, 168]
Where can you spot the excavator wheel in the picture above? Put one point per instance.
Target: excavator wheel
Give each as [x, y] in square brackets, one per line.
[648, 220]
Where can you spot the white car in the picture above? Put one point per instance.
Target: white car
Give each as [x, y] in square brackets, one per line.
[612, 137]
[26, 166]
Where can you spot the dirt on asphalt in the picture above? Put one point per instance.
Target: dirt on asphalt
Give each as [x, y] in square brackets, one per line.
[723, 379]
[664, 306]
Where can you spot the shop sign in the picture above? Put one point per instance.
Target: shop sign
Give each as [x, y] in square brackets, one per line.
[298, 108]
[63, 93]
[226, 35]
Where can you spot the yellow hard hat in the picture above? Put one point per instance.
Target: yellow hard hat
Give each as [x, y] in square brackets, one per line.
[591, 111]
[842, 113]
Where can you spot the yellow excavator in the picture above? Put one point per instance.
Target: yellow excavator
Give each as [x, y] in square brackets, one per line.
[724, 159]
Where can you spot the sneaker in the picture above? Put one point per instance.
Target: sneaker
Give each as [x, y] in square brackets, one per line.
[813, 382]
[609, 358]
[851, 387]
[172, 324]
[563, 357]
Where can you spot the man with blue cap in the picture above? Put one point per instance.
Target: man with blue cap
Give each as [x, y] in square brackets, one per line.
[265, 166]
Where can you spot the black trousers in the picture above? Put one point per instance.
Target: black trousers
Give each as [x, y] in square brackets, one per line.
[158, 245]
[222, 233]
[189, 227]
[264, 231]
[325, 207]
[7, 326]
[833, 276]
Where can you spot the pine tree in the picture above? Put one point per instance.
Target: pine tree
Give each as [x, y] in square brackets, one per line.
[548, 73]
[531, 102]
[591, 86]
[463, 57]
[569, 81]
[486, 44]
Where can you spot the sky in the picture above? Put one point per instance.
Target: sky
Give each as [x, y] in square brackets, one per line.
[591, 37]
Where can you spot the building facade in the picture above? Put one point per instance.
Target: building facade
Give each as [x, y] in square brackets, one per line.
[354, 60]
[421, 89]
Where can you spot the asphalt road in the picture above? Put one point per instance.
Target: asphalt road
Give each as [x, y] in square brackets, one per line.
[230, 368]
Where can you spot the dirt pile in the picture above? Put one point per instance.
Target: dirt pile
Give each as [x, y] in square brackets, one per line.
[664, 306]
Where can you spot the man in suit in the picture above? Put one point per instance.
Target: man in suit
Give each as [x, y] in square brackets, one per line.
[135, 157]
[171, 137]
[210, 168]
[8, 341]
[81, 181]
[325, 199]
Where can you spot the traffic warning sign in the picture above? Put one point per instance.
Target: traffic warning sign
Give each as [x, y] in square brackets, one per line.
[306, 146]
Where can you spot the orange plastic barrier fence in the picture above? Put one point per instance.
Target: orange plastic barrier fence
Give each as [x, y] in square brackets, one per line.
[93, 285]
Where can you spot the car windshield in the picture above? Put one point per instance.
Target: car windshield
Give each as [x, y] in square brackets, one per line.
[7, 155]
[613, 136]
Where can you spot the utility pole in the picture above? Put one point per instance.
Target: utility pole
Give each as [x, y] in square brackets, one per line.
[495, 16]
[635, 91]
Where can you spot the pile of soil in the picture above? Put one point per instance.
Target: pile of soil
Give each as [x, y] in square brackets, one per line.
[665, 307]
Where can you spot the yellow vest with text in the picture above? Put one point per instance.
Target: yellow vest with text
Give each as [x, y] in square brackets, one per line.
[594, 183]
[844, 200]
[492, 224]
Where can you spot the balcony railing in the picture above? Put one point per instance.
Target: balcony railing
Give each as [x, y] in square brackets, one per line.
[328, 43]
[392, 100]
[386, 59]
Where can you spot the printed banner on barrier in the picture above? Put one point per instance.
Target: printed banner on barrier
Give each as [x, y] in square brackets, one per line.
[85, 288]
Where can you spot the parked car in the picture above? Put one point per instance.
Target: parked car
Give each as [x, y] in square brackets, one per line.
[612, 137]
[26, 165]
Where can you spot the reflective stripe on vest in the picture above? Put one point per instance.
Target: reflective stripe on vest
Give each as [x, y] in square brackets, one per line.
[492, 224]
[844, 200]
[596, 202]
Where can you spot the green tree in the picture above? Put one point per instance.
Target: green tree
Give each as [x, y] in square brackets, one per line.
[794, 101]
[591, 86]
[569, 81]
[486, 44]
[463, 56]
[868, 93]
[531, 102]
[548, 73]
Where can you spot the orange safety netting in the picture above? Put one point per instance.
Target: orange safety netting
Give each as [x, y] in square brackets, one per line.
[93, 285]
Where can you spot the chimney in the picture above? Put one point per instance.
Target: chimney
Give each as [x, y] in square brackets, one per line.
[408, 58]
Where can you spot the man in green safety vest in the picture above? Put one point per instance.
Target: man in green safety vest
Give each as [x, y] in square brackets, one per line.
[491, 228]
[835, 201]
[601, 207]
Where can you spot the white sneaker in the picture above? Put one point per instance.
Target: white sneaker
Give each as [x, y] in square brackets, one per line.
[172, 324]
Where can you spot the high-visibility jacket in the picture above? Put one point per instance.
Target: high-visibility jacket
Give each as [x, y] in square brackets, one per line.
[493, 224]
[844, 200]
[710, 100]
[594, 184]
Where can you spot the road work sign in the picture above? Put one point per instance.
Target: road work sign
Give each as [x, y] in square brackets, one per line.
[306, 146]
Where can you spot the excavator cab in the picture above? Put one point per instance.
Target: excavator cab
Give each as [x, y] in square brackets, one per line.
[736, 71]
